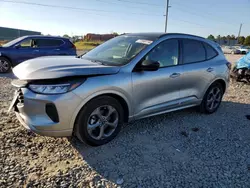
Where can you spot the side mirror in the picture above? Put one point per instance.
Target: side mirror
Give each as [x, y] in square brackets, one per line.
[148, 65]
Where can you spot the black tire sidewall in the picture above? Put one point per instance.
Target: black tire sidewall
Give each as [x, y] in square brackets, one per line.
[5, 59]
[203, 106]
[86, 111]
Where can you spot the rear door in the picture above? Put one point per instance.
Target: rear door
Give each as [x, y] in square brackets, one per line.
[50, 46]
[198, 69]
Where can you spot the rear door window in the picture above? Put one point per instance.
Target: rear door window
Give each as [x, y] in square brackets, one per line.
[48, 42]
[210, 51]
[193, 51]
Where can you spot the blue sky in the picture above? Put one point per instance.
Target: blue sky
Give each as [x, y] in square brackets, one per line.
[198, 17]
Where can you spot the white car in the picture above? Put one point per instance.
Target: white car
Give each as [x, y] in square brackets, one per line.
[243, 49]
[230, 50]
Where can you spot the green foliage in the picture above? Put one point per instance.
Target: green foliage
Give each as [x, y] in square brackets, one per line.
[66, 36]
[87, 45]
[218, 37]
[247, 41]
[211, 37]
[241, 40]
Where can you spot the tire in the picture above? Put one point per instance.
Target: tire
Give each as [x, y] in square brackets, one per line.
[5, 65]
[95, 114]
[206, 106]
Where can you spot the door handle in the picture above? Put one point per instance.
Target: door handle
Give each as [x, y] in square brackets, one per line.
[210, 69]
[175, 75]
[57, 49]
[36, 51]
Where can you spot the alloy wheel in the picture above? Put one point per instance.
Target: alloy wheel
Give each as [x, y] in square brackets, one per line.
[4, 66]
[214, 98]
[102, 122]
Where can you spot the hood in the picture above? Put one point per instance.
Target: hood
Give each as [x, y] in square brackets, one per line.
[60, 66]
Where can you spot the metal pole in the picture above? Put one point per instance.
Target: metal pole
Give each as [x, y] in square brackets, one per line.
[166, 22]
[239, 33]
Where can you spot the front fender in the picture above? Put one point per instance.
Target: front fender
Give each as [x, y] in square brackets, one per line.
[96, 94]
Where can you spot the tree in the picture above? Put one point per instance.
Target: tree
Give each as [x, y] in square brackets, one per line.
[66, 36]
[233, 37]
[241, 40]
[247, 41]
[211, 37]
[224, 38]
[115, 33]
[228, 37]
[218, 37]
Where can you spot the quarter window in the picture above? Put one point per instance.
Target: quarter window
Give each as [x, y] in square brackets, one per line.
[211, 53]
[193, 51]
[165, 53]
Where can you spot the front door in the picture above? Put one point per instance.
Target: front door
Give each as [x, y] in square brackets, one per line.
[158, 91]
[24, 50]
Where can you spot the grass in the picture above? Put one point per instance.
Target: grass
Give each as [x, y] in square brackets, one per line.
[84, 45]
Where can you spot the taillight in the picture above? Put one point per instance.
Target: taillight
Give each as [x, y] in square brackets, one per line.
[229, 65]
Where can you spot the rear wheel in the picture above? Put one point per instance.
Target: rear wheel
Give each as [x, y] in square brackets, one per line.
[99, 121]
[5, 65]
[212, 99]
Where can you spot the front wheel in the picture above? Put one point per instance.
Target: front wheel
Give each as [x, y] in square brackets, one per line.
[99, 121]
[5, 65]
[212, 99]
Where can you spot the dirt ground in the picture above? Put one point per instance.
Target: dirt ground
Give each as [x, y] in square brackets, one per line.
[179, 149]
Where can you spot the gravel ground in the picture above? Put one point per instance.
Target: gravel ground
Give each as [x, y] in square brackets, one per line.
[180, 149]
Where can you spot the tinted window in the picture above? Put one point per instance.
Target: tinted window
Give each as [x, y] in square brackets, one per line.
[165, 53]
[48, 42]
[193, 51]
[210, 51]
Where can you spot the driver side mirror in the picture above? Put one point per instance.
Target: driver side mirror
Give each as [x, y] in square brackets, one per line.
[148, 65]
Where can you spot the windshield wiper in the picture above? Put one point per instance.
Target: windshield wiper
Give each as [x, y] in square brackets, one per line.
[80, 56]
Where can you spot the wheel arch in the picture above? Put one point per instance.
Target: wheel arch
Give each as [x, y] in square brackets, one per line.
[118, 96]
[8, 59]
[220, 81]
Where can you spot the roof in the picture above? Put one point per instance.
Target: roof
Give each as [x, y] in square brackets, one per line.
[43, 36]
[155, 35]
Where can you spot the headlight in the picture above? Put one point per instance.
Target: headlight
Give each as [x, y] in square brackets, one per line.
[54, 88]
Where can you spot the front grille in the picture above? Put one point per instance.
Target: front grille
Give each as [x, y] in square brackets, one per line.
[20, 98]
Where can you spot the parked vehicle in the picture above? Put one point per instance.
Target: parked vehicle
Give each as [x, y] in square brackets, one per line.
[28, 47]
[130, 77]
[241, 71]
[243, 49]
[230, 50]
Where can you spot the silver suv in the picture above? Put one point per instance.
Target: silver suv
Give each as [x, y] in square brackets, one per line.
[130, 77]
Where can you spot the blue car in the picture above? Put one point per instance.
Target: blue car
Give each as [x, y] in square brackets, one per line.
[28, 47]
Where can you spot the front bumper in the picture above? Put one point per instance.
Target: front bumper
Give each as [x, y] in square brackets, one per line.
[31, 113]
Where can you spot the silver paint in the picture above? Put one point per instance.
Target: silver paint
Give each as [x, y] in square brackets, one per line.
[145, 93]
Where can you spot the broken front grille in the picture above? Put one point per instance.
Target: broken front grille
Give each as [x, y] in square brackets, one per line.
[20, 98]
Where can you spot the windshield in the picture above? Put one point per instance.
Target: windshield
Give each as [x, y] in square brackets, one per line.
[118, 51]
[13, 42]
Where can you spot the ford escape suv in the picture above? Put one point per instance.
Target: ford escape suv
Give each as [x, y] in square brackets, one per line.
[129, 77]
